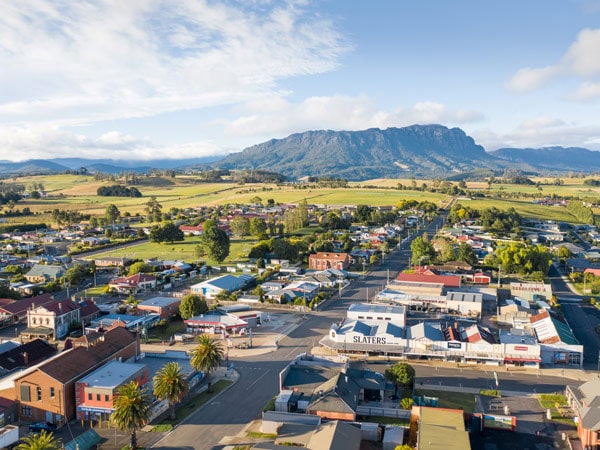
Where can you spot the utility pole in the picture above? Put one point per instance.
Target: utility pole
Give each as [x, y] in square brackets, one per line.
[388, 276]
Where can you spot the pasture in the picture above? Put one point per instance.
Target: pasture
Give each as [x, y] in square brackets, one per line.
[78, 192]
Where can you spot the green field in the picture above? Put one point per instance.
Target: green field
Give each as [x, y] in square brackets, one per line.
[78, 192]
[451, 400]
[185, 250]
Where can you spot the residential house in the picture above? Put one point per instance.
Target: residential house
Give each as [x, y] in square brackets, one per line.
[88, 311]
[95, 392]
[41, 273]
[440, 426]
[54, 319]
[132, 284]
[326, 260]
[47, 392]
[165, 307]
[111, 262]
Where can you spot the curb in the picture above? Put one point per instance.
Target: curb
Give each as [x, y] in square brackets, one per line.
[184, 421]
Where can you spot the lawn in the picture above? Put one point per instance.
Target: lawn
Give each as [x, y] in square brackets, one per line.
[185, 250]
[451, 400]
[558, 406]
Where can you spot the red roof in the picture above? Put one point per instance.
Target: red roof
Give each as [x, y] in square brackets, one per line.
[133, 280]
[330, 256]
[21, 306]
[61, 307]
[595, 272]
[446, 280]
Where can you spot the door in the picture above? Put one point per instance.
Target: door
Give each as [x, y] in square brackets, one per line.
[49, 417]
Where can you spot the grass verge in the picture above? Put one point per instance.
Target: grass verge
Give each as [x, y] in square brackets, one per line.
[451, 400]
[256, 434]
[559, 408]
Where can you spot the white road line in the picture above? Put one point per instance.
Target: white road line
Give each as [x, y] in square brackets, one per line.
[256, 381]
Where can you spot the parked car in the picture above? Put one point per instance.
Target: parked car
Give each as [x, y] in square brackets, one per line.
[39, 426]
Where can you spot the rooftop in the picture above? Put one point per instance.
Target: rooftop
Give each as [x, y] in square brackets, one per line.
[112, 374]
[374, 308]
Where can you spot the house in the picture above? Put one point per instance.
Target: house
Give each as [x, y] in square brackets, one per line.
[52, 320]
[109, 262]
[585, 401]
[326, 260]
[448, 281]
[46, 392]
[94, 393]
[132, 284]
[165, 307]
[16, 312]
[440, 426]
[88, 311]
[41, 273]
[228, 283]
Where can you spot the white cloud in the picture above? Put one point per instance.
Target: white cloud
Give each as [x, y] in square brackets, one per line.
[580, 60]
[41, 141]
[278, 117]
[587, 91]
[541, 132]
[80, 62]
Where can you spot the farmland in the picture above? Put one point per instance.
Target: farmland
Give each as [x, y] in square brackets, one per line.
[78, 192]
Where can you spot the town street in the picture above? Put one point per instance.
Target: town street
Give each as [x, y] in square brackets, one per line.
[258, 380]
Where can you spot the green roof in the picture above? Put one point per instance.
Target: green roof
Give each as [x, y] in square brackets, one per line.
[564, 332]
[442, 429]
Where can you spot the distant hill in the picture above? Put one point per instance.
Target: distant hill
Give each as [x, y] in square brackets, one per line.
[418, 150]
[569, 159]
[59, 165]
[32, 166]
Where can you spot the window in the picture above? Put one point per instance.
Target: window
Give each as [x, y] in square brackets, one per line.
[25, 410]
[98, 397]
[106, 397]
[25, 394]
[52, 392]
[89, 396]
[38, 391]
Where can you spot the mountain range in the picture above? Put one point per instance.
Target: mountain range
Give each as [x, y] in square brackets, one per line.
[417, 150]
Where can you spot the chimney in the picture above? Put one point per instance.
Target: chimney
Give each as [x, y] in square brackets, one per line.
[25, 358]
[60, 307]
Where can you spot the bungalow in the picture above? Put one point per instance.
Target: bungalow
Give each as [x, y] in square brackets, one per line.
[40, 273]
[132, 284]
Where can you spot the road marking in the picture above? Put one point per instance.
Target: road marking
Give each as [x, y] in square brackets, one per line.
[292, 351]
[256, 381]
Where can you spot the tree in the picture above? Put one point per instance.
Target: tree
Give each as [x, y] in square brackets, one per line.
[170, 384]
[284, 249]
[362, 213]
[258, 227]
[168, 232]
[207, 355]
[131, 409]
[400, 374]
[240, 226]
[422, 250]
[41, 441]
[139, 267]
[154, 209]
[215, 241]
[192, 305]
[466, 253]
[112, 213]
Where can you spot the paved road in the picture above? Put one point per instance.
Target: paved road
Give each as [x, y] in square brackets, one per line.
[582, 317]
[259, 375]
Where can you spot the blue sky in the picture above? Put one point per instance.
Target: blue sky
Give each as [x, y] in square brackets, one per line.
[160, 78]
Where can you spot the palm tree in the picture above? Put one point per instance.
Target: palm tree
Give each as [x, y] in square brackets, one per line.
[131, 409]
[207, 355]
[169, 384]
[42, 441]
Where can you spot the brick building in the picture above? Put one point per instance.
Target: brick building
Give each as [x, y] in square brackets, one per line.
[327, 260]
[47, 392]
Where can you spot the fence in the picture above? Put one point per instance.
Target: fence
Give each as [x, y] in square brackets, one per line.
[385, 412]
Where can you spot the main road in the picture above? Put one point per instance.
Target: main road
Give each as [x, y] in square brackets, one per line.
[258, 379]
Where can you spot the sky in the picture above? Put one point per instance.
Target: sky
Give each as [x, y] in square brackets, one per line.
[149, 79]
